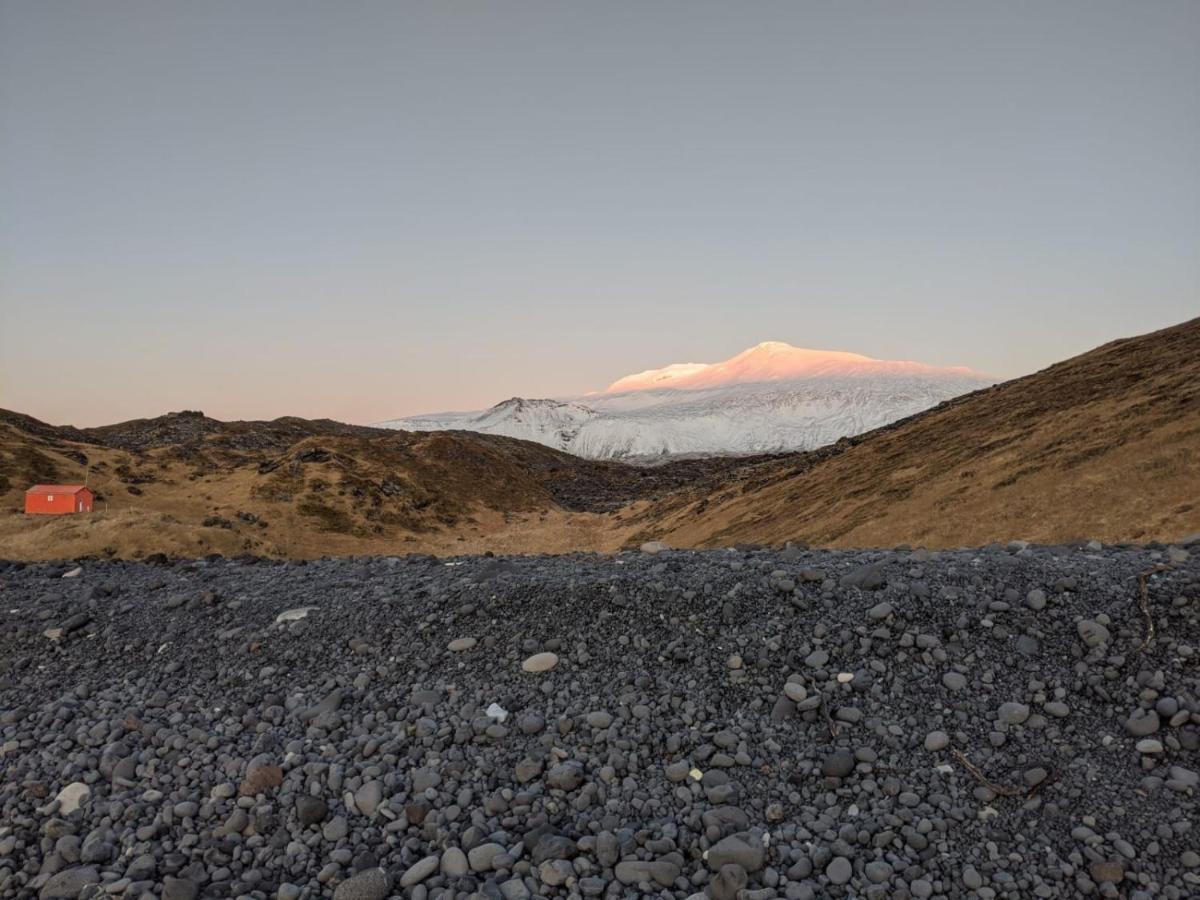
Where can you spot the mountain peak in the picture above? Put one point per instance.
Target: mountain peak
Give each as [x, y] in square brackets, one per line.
[773, 361]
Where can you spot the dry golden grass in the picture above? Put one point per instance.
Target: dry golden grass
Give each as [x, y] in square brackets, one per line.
[428, 493]
[135, 534]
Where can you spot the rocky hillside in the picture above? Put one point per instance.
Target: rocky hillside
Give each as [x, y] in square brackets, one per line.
[1104, 445]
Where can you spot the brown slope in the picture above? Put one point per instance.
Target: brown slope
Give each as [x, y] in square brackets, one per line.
[187, 484]
[1104, 445]
[184, 484]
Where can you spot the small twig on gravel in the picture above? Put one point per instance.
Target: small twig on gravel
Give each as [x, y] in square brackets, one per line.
[1144, 603]
[834, 731]
[833, 726]
[1001, 789]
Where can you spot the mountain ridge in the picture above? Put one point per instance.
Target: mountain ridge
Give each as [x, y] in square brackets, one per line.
[1101, 446]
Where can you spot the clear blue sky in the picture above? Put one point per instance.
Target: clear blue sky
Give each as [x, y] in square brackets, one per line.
[361, 210]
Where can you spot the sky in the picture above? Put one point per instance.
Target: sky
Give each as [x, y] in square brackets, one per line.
[363, 210]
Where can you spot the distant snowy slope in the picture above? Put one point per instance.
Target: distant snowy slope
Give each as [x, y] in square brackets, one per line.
[551, 422]
[772, 397]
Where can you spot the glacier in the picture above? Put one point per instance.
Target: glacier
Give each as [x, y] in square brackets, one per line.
[770, 398]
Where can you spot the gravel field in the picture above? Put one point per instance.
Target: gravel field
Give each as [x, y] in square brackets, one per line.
[732, 724]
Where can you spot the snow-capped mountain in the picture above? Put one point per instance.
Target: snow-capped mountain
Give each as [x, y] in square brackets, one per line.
[772, 397]
[775, 361]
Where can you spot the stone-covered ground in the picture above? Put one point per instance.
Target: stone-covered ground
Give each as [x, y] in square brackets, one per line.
[743, 723]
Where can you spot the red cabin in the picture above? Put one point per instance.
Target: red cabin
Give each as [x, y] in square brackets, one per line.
[58, 499]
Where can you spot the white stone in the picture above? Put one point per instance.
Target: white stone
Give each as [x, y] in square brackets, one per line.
[72, 797]
[294, 615]
[540, 662]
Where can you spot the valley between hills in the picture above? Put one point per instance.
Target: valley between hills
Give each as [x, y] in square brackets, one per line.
[1102, 446]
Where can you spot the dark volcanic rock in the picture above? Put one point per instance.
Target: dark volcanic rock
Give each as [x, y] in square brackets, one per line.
[738, 723]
